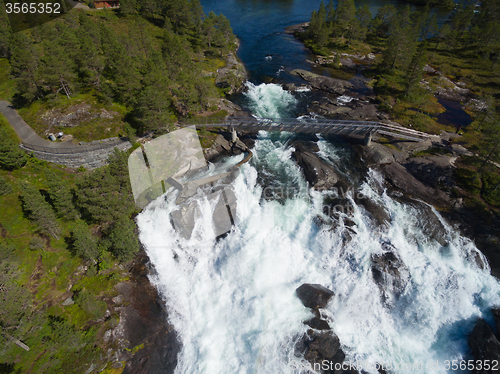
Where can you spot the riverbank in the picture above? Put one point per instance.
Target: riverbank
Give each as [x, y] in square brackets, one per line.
[433, 172]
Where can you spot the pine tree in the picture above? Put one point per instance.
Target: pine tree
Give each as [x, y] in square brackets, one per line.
[209, 30]
[5, 33]
[128, 6]
[225, 31]
[154, 104]
[415, 69]
[381, 24]
[445, 35]
[429, 27]
[15, 299]
[25, 63]
[124, 243]
[345, 17]
[58, 70]
[402, 42]
[39, 211]
[84, 244]
[122, 66]
[322, 32]
[61, 196]
[11, 156]
[461, 21]
[89, 60]
[330, 14]
[364, 17]
[490, 145]
[485, 32]
[106, 194]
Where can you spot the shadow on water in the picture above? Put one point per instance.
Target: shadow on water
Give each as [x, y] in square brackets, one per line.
[454, 114]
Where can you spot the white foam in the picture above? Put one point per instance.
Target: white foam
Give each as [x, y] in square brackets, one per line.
[233, 302]
[302, 89]
[269, 100]
[342, 100]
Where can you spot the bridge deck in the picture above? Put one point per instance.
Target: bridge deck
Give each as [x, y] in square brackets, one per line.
[321, 126]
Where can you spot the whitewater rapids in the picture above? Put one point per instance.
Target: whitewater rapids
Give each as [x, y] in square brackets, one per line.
[232, 301]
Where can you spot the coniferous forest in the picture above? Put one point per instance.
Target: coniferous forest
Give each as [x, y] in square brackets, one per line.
[146, 57]
[68, 237]
[413, 58]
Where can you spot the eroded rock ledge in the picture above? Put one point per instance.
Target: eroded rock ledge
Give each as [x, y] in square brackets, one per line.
[327, 84]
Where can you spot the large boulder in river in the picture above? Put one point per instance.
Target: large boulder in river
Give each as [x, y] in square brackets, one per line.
[317, 172]
[322, 350]
[326, 344]
[314, 296]
[390, 274]
[484, 345]
[317, 324]
[327, 84]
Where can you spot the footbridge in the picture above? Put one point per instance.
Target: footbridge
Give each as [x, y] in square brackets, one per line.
[313, 126]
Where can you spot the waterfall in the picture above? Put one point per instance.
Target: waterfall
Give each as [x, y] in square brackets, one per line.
[232, 301]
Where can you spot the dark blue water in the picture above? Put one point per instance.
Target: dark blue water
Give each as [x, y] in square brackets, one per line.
[260, 26]
[454, 115]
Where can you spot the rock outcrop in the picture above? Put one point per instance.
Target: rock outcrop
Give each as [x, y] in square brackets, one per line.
[320, 346]
[318, 173]
[143, 322]
[390, 274]
[231, 76]
[484, 345]
[319, 82]
[314, 296]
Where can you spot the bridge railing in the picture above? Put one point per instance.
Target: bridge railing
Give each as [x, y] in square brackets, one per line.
[317, 122]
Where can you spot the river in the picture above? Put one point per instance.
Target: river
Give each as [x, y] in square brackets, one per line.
[232, 301]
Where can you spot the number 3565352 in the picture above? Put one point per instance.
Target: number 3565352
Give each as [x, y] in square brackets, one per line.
[33, 8]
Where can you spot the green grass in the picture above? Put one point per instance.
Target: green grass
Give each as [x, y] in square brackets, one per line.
[387, 143]
[8, 128]
[88, 129]
[207, 137]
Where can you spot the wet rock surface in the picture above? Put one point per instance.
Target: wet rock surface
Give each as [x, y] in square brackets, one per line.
[327, 84]
[347, 106]
[402, 180]
[314, 296]
[144, 322]
[317, 323]
[390, 274]
[320, 346]
[318, 173]
[484, 345]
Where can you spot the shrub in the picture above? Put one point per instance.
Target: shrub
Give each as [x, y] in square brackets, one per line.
[89, 303]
